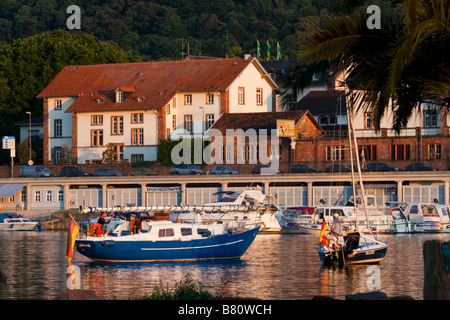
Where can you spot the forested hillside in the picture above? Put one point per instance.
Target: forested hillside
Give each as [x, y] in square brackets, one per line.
[162, 29]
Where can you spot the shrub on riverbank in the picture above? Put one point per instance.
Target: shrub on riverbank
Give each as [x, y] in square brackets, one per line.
[186, 289]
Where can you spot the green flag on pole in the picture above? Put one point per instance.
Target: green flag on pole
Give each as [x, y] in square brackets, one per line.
[268, 50]
[258, 49]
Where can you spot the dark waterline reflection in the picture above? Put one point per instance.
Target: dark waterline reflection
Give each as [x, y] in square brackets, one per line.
[275, 267]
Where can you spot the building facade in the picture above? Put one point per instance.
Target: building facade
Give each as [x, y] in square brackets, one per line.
[131, 107]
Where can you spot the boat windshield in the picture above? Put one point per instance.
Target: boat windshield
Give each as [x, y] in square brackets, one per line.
[229, 198]
[429, 210]
[397, 205]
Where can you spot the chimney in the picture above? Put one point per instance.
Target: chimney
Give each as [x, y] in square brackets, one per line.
[247, 56]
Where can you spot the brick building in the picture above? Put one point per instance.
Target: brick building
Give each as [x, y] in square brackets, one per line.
[247, 148]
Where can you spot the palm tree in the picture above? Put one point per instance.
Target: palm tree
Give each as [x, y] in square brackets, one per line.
[423, 53]
[398, 66]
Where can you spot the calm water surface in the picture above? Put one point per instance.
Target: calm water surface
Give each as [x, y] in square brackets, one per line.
[275, 267]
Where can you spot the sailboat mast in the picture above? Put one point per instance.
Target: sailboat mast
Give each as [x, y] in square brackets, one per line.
[363, 192]
[351, 167]
[358, 165]
[351, 132]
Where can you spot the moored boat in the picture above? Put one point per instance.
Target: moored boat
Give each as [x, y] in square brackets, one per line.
[11, 221]
[366, 216]
[146, 240]
[418, 217]
[353, 248]
[296, 219]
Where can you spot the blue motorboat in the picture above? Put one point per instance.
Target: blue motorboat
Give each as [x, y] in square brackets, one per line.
[141, 240]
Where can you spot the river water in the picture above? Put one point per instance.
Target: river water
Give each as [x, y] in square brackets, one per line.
[275, 267]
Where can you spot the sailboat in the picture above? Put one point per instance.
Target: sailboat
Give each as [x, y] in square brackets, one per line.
[353, 247]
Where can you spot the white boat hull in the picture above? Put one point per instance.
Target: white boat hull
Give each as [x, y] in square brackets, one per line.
[30, 226]
[313, 228]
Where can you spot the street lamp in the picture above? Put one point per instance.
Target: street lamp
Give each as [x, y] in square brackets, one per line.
[203, 137]
[29, 134]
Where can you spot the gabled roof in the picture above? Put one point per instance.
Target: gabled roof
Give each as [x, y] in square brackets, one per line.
[263, 120]
[157, 82]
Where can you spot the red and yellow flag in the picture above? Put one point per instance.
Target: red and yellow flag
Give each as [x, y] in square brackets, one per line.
[322, 231]
[71, 236]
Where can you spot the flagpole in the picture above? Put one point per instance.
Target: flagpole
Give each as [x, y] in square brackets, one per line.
[74, 221]
[278, 51]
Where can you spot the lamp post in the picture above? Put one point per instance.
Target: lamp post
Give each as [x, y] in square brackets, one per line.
[29, 135]
[203, 119]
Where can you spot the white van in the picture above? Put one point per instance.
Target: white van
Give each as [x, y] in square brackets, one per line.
[35, 171]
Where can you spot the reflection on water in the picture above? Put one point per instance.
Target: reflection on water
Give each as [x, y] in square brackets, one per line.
[275, 267]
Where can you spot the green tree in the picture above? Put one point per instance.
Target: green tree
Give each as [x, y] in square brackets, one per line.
[109, 156]
[66, 155]
[23, 152]
[28, 65]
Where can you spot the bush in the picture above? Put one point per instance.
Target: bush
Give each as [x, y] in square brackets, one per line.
[185, 289]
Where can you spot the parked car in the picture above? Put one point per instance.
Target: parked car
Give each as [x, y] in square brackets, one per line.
[107, 172]
[224, 170]
[303, 168]
[186, 169]
[73, 172]
[35, 171]
[267, 170]
[340, 168]
[379, 166]
[419, 167]
[143, 172]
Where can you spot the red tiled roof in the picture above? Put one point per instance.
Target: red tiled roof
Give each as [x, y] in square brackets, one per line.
[156, 82]
[263, 120]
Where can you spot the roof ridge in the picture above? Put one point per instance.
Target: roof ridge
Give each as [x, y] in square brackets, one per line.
[153, 62]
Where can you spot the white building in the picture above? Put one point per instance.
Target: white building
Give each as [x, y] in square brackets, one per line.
[132, 106]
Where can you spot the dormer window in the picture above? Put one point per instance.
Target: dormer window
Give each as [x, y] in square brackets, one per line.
[120, 93]
[99, 100]
[119, 96]
[316, 76]
[139, 99]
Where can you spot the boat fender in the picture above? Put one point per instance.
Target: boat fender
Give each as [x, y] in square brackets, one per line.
[108, 243]
[97, 230]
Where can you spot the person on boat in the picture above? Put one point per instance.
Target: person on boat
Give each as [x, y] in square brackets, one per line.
[336, 226]
[336, 231]
[102, 221]
[97, 228]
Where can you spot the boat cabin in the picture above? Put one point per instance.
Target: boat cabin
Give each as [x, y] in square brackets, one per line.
[371, 201]
[161, 230]
[412, 211]
[444, 212]
[327, 213]
[241, 198]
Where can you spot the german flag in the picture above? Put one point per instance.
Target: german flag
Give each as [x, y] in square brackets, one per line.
[71, 236]
[322, 231]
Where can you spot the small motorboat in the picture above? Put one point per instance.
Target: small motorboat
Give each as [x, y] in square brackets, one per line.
[144, 239]
[353, 248]
[11, 221]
